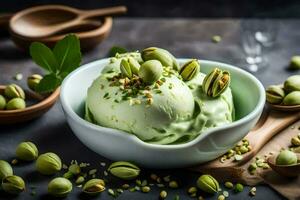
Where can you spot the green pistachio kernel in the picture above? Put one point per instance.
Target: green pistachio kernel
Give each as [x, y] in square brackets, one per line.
[5, 170]
[292, 83]
[74, 169]
[292, 98]
[59, 187]
[228, 185]
[14, 91]
[295, 63]
[48, 163]
[94, 187]
[189, 70]
[238, 187]
[216, 82]
[286, 157]
[150, 71]
[162, 55]
[13, 184]
[208, 184]
[27, 151]
[125, 68]
[33, 81]
[275, 94]
[15, 104]
[134, 65]
[2, 102]
[124, 170]
[192, 190]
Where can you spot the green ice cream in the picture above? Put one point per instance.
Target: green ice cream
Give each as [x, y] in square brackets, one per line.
[169, 111]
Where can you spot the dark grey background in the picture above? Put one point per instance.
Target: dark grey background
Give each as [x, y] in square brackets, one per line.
[184, 38]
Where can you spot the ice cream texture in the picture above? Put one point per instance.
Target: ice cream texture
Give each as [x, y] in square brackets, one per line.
[169, 111]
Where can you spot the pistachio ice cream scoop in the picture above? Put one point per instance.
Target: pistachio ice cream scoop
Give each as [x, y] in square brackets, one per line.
[157, 104]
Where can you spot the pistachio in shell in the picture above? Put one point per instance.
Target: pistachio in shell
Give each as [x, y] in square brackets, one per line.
[124, 170]
[33, 81]
[48, 163]
[208, 184]
[5, 170]
[59, 187]
[292, 83]
[27, 151]
[2, 102]
[13, 184]
[292, 99]
[189, 70]
[275, 94]
[14, 91]
[295, 63]
[150, 71]
[286, 157]
[94, 186]
[16, 104]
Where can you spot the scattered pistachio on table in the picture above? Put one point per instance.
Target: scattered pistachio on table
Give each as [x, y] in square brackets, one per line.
[208, 184]
[94, 186]
[124, 170]
[237, 152]
[5, 170]
[59, 187]
[238, 188]
[27, 151]
[13, 184]
[48, 163]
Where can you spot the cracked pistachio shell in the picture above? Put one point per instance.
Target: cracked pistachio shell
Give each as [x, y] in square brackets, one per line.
[216, 82]
[150, 71]
[27, 151]
[292, 98]
[5, 169]
[292, 83]
[33, 81]
[124, 170]
[295, 62]
[125, 68]
[208, 184]
[275, 94]
[2, 102]
[14, 91]
[134, 65]
[189, 70]
[48, 163]
[13, 184]
[59, 187]
[16, 103]
[286, 157]
[94, 186]
[162, 55]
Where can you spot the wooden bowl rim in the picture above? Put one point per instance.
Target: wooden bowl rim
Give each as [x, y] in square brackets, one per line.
[46, 102]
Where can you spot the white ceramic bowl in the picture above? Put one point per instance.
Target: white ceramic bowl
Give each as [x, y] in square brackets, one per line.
[249, 99]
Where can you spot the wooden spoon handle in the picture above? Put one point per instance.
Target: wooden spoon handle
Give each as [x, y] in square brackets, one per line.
[103, 12]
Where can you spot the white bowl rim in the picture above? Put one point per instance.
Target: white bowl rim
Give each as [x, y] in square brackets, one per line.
[250, 116]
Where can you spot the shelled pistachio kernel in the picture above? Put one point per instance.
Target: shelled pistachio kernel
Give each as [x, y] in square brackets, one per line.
[124, 170]
[48, 163]
[146, 189]
[5, 170]
[292, 83]
[192, 190]
[94, 186]
[208, 184]
[275, 94]
[221, 197]
[163, 194]
[286, 157]
[33, 80]
[14, 91]
[295, 141]
[238, 187]
[27, 151]
[13, 184]
[228, 185]
[16, 104]
[79, 180]
[189, 70]
[294, 63]
[173, 184]
[74, 169]
[2, 102]
[59, 187]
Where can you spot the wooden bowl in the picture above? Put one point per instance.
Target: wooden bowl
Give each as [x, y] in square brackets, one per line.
[30, 112]
[90, 35]
[285, 170]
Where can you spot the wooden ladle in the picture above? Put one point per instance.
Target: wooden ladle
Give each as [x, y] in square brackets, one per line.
[43, 21]
[285, 170]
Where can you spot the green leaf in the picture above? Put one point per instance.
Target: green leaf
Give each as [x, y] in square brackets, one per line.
[67, 53]
[116, 49]
[43, 57]
[48, 84]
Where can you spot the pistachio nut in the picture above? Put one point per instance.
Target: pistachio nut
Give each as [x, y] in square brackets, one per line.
[14, 91]
[295, 63]
[2, 102]
[286, 157]
[275, 94]
[295, 141]
[238, 188]
[124, 170]
[125, 68]
[33, 81]
[59, 187]
[15, 104]
[216, 82]
[13, 184]
[74, 169]
[292, 98]
[5, 170]
[162, 55]
[150, 71]
[27, 151]
[48, 163]
[94, 186]
[208, 184]
[189, 70]
[292, 83]
[134, 65]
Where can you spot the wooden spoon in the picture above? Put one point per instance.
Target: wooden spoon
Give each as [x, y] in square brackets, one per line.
[43, 21]
[285, 170]
[30, 112]
[284, 108]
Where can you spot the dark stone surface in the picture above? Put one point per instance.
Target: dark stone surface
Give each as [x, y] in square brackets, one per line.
[185, 38]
